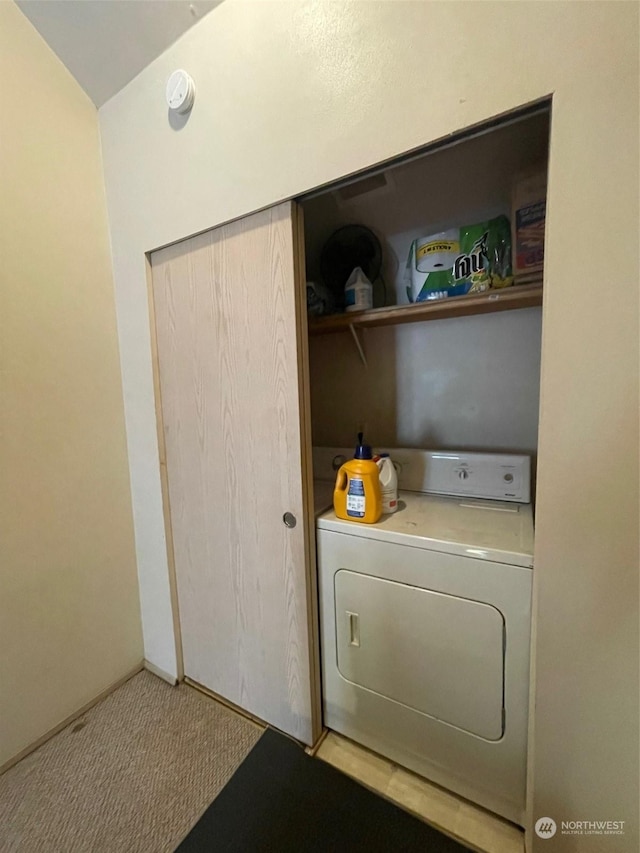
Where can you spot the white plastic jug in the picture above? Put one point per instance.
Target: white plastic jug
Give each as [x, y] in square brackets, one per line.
[388, 483]
[358, 292]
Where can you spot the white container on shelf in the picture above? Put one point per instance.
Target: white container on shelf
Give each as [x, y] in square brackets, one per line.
[388, 483]
[358, 292]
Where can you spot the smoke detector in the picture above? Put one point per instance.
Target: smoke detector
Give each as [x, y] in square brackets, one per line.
[181, 92]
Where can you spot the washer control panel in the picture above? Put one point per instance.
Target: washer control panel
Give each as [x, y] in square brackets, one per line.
[494, 476]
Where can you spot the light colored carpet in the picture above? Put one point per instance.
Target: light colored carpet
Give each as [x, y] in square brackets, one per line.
[133, 774]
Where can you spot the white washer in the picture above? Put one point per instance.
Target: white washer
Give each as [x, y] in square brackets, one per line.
[425, 620]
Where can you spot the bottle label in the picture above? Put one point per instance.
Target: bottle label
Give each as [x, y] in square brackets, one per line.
[355, 498]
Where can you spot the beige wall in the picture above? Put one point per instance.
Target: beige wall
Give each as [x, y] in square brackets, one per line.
[292, 95]
[69, 609]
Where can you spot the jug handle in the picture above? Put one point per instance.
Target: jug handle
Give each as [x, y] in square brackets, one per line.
[341, 480]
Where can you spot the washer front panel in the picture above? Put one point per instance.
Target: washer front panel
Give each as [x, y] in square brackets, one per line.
[438, 654]
[405, 727]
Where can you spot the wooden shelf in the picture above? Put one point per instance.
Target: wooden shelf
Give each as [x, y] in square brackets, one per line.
[508, 299]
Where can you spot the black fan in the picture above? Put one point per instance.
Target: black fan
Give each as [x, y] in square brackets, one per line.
[349, 247]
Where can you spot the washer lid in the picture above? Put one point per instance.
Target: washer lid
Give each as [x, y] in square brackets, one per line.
[486, 530]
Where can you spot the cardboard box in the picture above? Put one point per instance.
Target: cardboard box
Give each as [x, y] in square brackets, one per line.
[528, 215]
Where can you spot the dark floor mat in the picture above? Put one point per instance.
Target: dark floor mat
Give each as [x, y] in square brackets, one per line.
[280, 800]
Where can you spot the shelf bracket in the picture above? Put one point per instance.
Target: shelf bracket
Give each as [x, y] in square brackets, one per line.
[356, 340]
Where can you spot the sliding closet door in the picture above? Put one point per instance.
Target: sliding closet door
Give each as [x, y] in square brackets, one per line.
[229, 326]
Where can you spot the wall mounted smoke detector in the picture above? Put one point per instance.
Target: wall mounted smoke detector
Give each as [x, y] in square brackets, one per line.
[181, 92]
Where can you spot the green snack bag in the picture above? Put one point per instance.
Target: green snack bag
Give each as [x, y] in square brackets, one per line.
[470, 259]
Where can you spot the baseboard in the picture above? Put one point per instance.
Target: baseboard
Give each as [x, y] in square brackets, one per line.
[155, 670]
[62, 725]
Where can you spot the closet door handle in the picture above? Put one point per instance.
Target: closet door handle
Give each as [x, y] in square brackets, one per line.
[289, 520]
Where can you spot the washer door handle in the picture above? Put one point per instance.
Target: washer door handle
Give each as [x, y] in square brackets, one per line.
[354, 628]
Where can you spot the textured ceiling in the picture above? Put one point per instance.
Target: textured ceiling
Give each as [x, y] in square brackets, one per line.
[105, 43]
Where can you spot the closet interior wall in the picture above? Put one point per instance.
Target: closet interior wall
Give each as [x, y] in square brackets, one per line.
[466, 383]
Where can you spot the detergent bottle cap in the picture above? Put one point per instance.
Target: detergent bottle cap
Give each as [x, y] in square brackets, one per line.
[363, 451]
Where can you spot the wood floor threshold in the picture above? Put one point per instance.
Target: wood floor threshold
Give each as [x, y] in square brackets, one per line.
[312, 750]
[383, 795]
[436, 824]
[67, 720]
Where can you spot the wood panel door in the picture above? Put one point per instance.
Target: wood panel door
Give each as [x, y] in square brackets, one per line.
[230, 327]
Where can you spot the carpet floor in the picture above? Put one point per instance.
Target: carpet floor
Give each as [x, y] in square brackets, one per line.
[133, 774]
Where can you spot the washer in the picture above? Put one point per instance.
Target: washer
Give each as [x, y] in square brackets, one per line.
[426, 619]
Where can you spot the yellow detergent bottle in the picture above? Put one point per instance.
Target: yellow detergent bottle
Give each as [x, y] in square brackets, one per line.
[357, 495]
